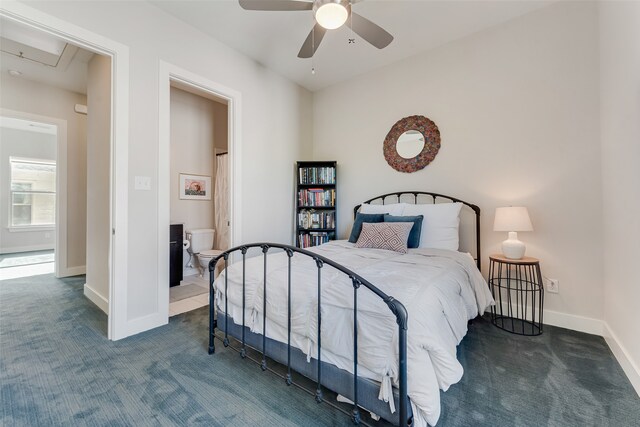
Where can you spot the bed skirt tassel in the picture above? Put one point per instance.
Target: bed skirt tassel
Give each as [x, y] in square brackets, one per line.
[386, 392]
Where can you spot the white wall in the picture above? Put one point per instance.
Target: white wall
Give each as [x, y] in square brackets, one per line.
[620, 130]
[517, 108]
[31, 145]
[26, 96]
[98, 177]
[276, 127]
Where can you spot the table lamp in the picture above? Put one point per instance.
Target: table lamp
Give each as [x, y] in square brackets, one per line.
[512, 219]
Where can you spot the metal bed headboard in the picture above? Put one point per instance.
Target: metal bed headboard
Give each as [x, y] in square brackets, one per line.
[398, 195]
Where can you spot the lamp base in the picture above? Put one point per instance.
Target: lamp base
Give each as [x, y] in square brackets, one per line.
[513, 248]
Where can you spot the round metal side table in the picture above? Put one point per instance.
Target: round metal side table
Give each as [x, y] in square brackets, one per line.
[516, 286]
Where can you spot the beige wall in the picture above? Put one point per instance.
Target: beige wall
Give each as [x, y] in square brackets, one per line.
[517, 108]
[31, 97]
[98, 176]
[620, 92]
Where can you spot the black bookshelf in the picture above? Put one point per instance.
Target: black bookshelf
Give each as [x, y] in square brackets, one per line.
[315, 203]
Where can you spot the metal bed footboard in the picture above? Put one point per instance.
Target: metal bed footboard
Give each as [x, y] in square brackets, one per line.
[396, 307]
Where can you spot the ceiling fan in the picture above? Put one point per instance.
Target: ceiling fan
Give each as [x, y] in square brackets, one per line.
[329, 15]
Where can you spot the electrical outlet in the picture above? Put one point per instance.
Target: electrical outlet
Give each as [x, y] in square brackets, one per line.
[552, 286]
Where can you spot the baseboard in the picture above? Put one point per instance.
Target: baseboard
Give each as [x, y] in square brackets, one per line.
[627, 364]
[96, 298]
[588, 325]
[146, 323]
[32, 248]
[72, 271]
[568, 321]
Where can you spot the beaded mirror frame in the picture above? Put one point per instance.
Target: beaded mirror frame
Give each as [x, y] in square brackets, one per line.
[431, 134]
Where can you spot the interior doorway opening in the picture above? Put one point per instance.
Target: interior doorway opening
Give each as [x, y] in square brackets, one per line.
[52, 43]
[199, 211]
[55, 158]
[208, 221]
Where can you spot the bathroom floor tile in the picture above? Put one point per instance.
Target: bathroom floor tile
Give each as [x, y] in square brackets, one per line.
[188, 304]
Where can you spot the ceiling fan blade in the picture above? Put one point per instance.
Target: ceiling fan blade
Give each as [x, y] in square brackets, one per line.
[312, 42]
[276, 5]
[371, 32]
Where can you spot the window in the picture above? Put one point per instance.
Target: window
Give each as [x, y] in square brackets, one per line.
[33, 193]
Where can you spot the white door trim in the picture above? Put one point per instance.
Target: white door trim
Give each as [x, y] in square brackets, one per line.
[118, 325]
[169, 73]
[61, 269]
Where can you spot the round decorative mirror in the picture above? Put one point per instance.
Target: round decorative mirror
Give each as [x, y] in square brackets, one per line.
[411, 144]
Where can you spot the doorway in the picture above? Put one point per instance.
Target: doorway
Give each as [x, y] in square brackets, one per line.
[198, 209]
[56, 167]
[182, 83]
[117, 143]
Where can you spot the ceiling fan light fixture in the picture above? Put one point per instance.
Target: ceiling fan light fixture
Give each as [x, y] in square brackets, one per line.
[331, 14]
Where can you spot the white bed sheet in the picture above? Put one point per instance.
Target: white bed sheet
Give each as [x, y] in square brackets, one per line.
[441, 290]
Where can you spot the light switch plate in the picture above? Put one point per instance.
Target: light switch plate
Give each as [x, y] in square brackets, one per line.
[142, 183]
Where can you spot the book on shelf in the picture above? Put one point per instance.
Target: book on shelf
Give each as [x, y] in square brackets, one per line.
[316, 197]
[310, 219]
[307, 240]
[317, 175]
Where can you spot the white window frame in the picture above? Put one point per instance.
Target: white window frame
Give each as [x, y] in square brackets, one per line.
[37, 227]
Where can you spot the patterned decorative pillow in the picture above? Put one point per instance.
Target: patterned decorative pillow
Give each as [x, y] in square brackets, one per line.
[392, 236]
[414, 235]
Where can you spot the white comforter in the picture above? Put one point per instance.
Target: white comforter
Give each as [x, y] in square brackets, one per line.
[441, 290]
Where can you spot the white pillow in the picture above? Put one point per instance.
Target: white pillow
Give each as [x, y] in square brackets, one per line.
[439, 226]
[395, 209]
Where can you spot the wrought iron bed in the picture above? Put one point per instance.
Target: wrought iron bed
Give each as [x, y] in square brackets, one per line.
[294, 359]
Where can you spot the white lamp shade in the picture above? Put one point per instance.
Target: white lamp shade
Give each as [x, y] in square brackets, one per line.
[332, 15]
[512, 218]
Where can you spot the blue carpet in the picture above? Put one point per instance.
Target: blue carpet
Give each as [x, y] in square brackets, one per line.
[57, 368]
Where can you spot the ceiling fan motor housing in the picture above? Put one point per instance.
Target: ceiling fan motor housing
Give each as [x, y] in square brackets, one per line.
[331, 14]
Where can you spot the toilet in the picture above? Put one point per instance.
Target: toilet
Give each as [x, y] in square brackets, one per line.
[202, 247]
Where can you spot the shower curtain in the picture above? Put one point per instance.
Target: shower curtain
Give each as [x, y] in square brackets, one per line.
[221, 200]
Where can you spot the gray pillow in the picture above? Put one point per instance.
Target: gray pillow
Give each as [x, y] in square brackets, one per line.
[357, 224]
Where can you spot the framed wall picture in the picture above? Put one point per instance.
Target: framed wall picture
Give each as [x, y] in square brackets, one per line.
[195, 187]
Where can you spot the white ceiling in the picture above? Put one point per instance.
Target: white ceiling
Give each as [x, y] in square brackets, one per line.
[68, 63]
[274, 38]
